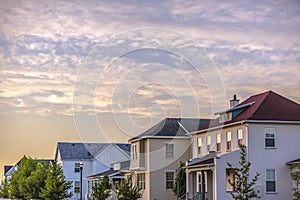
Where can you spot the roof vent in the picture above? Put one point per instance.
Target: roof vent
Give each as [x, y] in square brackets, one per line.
[234, 102]
[73, 144]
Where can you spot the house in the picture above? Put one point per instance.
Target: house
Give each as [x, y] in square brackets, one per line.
[157, 153]
[269, 125]
[9, 170]
[95, 157]
[115, 175]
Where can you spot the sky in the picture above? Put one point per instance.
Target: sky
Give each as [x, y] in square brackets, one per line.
[105, 71]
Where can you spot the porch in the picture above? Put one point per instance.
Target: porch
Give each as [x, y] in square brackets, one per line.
[200, 178]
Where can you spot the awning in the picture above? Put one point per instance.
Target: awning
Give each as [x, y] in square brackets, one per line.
[297, 161]
[207, 160]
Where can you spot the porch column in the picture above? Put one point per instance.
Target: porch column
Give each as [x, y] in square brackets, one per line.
[187, 183]
[202, 185]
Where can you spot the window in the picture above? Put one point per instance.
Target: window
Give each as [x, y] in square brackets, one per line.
[76, 187]
[219, 142]
[225, 117]
[199, 146]
[134, 152]
[169, 180]
[208, 143]
[141, 182]
[270, 180]
[77, 167]
[269, 137]
[228, 144]
[240, 137]
[169, 150]
[230, 173]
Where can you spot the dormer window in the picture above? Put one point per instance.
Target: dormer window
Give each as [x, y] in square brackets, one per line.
[225, 117]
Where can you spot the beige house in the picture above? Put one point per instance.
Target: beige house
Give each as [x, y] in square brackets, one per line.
[269, 125]
[157, 153]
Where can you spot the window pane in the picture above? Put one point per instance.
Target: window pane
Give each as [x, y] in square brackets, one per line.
[169, 180]
[270, 175]
[270, 143]
[271, 186]
[228, 136]
[219, 138]
[199, 142]
[219, 147]
[77, 167]
[169, 150]
[240, 134]
[208, 140]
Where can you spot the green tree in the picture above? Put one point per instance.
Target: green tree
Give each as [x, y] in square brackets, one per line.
[243, 186]
[100, 191]
[56, 187]
[295, 175]
[36, 181]
[128, 191]
[180, 181]
[18, 181]
[4, 189]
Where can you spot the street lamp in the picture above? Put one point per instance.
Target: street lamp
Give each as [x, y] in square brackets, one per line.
[80, 167]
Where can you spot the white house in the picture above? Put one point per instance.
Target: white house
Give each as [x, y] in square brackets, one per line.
[96, 158]
[157, 153]
[269, 125]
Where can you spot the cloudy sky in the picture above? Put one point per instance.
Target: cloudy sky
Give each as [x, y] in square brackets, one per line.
[107, 70]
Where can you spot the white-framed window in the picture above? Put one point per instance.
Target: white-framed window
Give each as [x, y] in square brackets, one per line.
[141, 181]
[219, 142]
[170, 177]
[230, 178]
[270, 180]
[208, 143]
[240, 137]
[134, 153]
[76, 187]
[169, 150]
[199, 145]
[225, 117]
[228, 139]
[77, 167]
[269, 137]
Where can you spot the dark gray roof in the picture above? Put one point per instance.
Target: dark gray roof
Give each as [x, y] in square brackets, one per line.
[205, 160]
[85, 151]
[109, 173]
[297, 161]
[170, 127]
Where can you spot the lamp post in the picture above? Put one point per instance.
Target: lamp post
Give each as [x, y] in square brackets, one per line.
[81, 167]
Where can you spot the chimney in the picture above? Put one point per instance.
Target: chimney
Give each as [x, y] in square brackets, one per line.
[234, 101]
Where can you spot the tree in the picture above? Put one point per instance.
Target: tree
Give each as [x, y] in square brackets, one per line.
[36, 181]
[180, 181]
[243, 187]
[295, 175]
[18, 181]
[56, 187]
[128, 191]
[100, 190]
[4, 189]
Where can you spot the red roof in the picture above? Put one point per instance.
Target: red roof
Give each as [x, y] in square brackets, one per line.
[268, 106]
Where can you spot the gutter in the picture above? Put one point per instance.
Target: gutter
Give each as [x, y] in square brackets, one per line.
[243, 122]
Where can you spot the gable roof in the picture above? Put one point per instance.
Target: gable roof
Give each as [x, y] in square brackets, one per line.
[173, 127]
[264, 106]
[9, 170]
[85, 151]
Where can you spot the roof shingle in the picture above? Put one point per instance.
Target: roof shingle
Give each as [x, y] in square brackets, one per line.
[85, 151]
